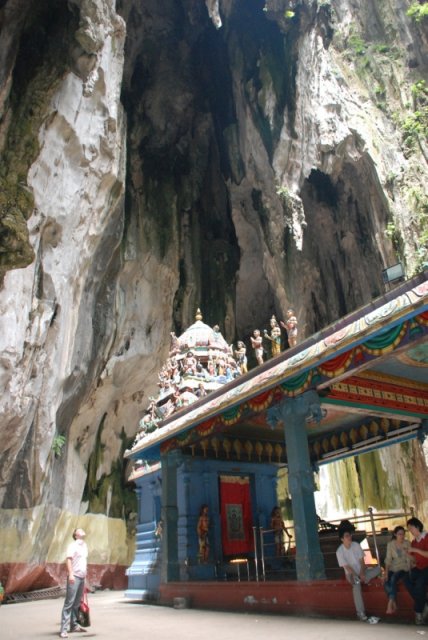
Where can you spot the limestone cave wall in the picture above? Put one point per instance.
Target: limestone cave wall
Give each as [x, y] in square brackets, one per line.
[241, 156]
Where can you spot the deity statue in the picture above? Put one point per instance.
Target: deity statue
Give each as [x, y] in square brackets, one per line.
[149, 421]
[202, 531]
[211, 368]
[216, 329]
[201, 392]
[257, 344]
[159, 530]
[189, 364]
[279, 530]
[290, 325]
[241, 356]
[274, 337]
[220, 363]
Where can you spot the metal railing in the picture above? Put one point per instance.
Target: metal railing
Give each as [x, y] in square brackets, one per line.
[373, 524]
[265, 551]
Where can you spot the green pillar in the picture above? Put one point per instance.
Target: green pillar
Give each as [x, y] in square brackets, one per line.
[293, 413]
[170, 568]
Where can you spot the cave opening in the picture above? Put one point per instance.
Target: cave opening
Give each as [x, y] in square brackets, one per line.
[343, 218]
[184, 138]
[324, 190]
[44, 43]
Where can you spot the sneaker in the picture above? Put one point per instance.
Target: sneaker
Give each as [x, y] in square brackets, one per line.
[77, 628]
[419, 619]
[63, 634]
[373, 620]
[362, 617]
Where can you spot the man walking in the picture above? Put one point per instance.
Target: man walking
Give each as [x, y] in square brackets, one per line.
[76, 564]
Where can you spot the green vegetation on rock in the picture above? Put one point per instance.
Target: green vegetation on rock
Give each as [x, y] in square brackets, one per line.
[418, 11]
[109, 493]
[394, 235]
[374, 62]
[418, 200]
[58, 445]
[414, 124]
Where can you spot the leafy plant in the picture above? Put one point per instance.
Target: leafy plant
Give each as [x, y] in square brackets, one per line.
[390, 230]
[284, 194]
[58, 445]
[390, 179]
[394, 235]
[418, 200]
[357, 44]
[420, 92]
[415, 125]
[417, 11]
[381, 48]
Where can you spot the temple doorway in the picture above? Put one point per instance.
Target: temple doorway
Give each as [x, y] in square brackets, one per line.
[236, 516]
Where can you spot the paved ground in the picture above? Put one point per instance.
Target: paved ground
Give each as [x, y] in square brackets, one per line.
[115, 618]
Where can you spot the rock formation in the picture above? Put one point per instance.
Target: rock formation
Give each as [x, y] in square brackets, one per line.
[238, 156]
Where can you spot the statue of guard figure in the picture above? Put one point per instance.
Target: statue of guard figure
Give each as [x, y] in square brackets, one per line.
[257, 344]
[202, 531]
[290, 325]
[274, 337]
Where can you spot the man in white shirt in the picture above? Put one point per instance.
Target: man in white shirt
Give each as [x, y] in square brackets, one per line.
[350, 556]
[76, 563]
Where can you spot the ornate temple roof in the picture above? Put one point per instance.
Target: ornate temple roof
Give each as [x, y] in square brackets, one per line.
[200, 337]
[200, 361]
[360, 366]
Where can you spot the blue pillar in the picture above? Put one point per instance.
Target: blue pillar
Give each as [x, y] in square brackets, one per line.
[170, 565]
[183, 502]
[293, 413]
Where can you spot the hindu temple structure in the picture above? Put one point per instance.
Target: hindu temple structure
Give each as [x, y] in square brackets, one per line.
[358, 385]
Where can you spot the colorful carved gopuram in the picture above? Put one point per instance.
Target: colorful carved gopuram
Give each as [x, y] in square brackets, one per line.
[200, 361]
[356, 386]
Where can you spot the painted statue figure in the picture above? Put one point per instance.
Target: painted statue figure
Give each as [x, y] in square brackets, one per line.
[274, 337]
[279, 530]
[189, 364]
[202, 531]
[290, 325]
[257, 344]
[241, 356]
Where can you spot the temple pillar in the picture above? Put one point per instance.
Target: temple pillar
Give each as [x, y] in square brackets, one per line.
[144, 572]
[170, 565]
[293, 413]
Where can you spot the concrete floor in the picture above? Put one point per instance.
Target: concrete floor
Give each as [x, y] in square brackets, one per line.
[116, 618]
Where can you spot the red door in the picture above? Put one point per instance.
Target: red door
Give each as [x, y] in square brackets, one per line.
[236, 516]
